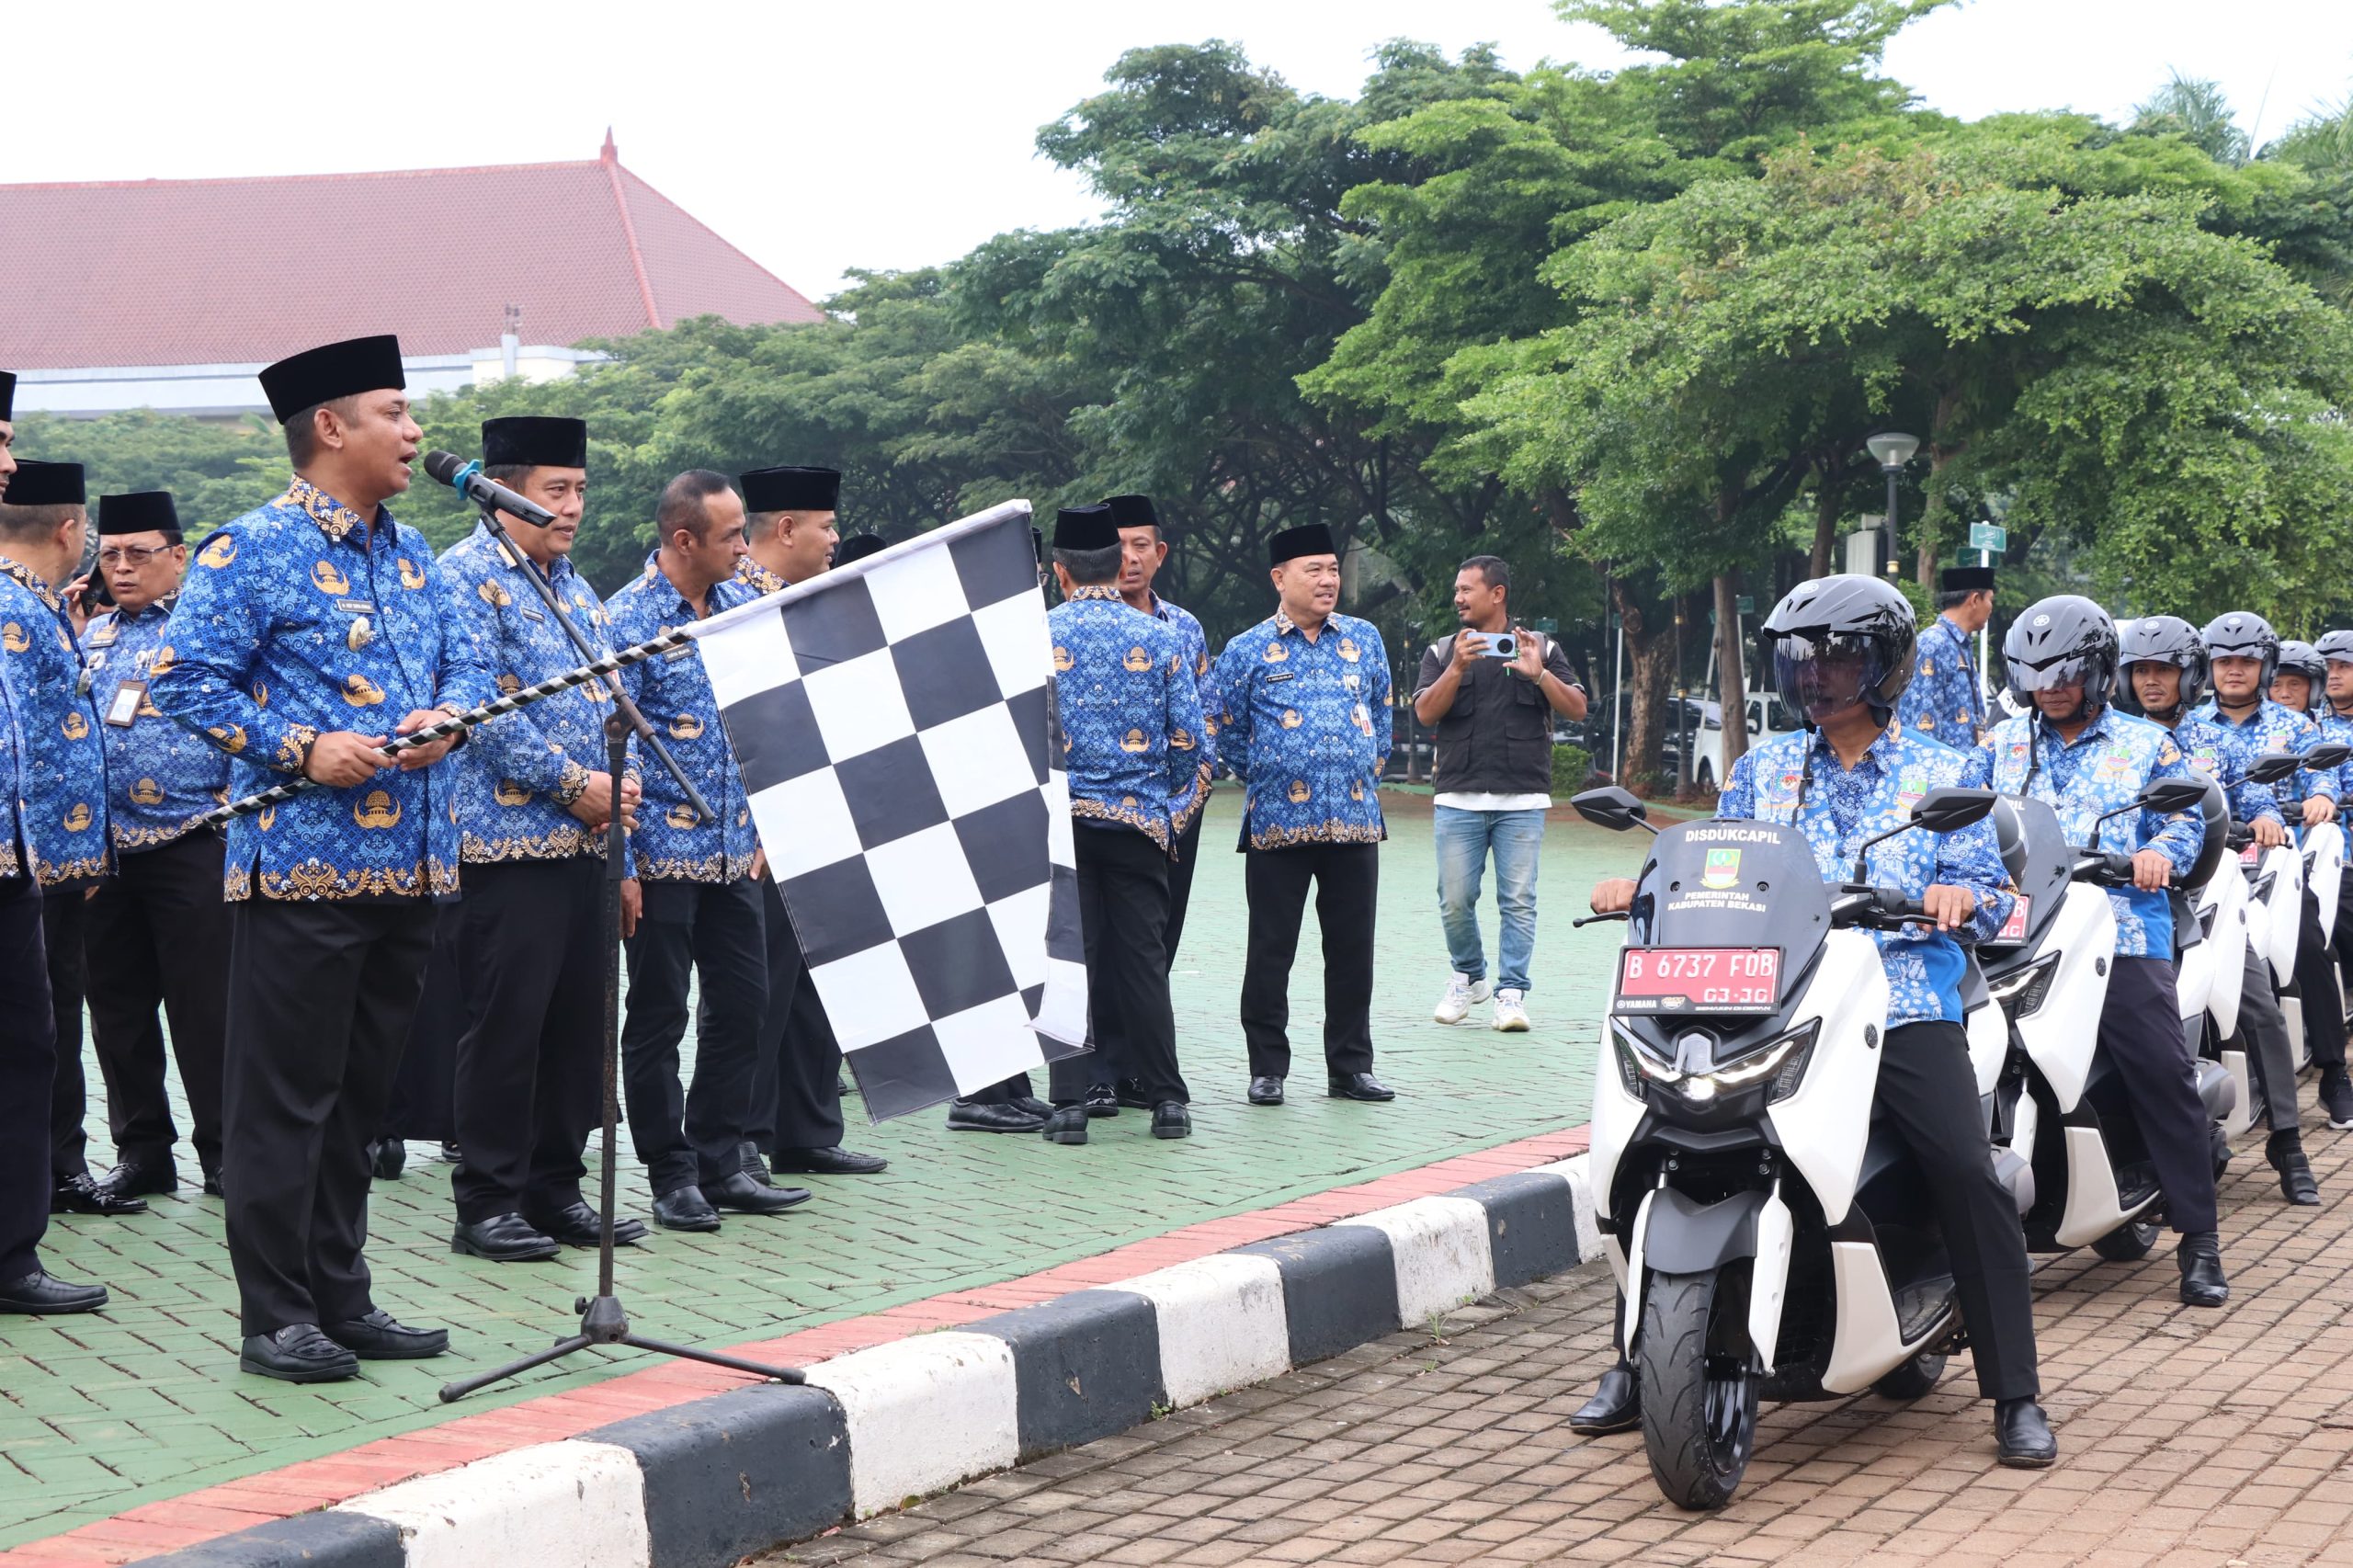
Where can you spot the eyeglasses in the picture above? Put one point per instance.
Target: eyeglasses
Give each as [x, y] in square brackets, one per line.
[135, 554]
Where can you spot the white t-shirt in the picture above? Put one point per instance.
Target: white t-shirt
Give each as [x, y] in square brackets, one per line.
[1466, 801]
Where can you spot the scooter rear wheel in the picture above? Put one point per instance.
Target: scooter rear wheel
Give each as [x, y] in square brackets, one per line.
[2129, 1243]
[1915, 1379]
[1698, 1380]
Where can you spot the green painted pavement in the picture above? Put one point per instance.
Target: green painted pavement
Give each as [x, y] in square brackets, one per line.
[100, 1413]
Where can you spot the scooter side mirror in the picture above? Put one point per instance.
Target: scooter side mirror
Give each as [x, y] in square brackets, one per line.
[2328, 754]
[2167, 796]
[1611, 807]
[2274, 767]
[1951, 808]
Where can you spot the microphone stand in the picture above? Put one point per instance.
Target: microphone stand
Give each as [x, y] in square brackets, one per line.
[602, 1319]
[648, 737]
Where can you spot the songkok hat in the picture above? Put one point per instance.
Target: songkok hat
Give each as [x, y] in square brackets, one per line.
[1085, 527]
[1133, 511]
[45, 484]
[857, 546]
[530, 440]
[7, 394]
[1967, 579]
[332, 371]
[141, 511]
[1312, 538]
[793, 490]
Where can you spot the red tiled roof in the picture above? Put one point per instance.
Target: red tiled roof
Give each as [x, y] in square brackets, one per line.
[231, 271]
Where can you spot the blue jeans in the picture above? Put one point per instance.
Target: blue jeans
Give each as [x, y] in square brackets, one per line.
[1464, 839]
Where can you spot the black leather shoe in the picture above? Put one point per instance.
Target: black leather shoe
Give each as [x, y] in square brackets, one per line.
[744, 1196]
[213, 1188]
[1067, 1125]
[835, 1161]
[1616, 1405]
[297, 1354]
[377, 1337]
[386, 1159]
[1101, 1100]
[502, 1238]
[137, 1178]
[1171, 1119]
[1033, 1105]
[450, 1154]
[684, 1209]
[1266, 1091]
[41, 1293]
[2286, 1152]
[2202, 1284]
[748, 1160]
[2022, 1438]
[1359, 1086]
[80, 1195]
[1129, 1092]
[578, 1225]
[969, 1116]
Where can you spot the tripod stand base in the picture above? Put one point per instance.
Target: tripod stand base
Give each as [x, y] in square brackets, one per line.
[602, 1321]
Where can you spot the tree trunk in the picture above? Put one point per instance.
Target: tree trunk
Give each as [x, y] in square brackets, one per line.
[1732, 671]
[1650, 644]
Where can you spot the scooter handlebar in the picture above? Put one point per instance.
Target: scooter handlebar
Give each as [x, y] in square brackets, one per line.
[2105, 867]
[1879, 908]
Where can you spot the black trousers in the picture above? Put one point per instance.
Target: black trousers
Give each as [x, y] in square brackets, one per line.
[28, 1067]
[320, 995]
[531, 951]
[2317, 986]
[157, 946]
[2141, 1031]
[1104, 1065]
[2262, 1032]
[1346, 879]
[65, 917]
[1180, 881]
[709, 930]
[796, 1078]
[423, 1091]
[2341, 939]
[1123, 916]
[1004, 1091]
[1928, 1091]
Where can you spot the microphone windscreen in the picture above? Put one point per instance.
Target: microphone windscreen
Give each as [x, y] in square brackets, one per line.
[444, 466]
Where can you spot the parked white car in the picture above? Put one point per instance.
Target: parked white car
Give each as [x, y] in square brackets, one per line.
[1766, 718]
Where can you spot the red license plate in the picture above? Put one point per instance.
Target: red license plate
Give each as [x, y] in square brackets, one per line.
[1698, 980]
[2014, 928]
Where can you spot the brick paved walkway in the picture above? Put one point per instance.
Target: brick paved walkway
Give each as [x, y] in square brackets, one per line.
[144, 1402]
[2220, 1439]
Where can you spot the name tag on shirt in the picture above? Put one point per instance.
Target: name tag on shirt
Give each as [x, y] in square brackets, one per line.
[125, 706]
[1284, 675]
[355, 607]
[531, 614]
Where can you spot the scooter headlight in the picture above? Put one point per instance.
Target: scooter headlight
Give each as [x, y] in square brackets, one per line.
[2021, 992]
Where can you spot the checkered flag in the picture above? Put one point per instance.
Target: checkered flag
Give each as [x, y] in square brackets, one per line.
[894, 723]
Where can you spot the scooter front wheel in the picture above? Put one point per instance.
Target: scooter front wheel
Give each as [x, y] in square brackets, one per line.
[2129, 1243]
[1698, 1380]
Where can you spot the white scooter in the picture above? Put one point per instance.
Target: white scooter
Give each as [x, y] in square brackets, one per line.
[2266, 895]
[1771, 1239]
[2062, 1106]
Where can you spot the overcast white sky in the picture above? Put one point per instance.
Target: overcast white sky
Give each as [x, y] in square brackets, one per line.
[893, 133]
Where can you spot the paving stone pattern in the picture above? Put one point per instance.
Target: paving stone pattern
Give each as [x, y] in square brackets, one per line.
[144, 1402]
[2214, 1439]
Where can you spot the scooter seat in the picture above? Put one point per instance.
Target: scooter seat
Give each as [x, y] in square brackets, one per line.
[2217, 1090]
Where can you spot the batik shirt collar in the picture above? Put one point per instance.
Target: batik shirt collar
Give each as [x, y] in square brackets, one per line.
[334, 520]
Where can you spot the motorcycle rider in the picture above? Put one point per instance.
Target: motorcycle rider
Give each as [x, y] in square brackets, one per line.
[2245, 652]
[2075, 751]
[1841, 648]
[2335, 719]
[2164, 673]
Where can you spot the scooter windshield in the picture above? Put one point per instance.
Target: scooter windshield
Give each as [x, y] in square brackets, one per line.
[1733, 884]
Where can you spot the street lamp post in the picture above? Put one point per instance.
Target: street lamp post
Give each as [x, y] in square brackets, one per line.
[1894, 449]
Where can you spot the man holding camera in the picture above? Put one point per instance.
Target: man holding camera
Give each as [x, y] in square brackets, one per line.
[1491, 690]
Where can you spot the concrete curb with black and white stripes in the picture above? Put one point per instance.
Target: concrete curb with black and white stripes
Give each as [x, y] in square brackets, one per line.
[707, 1482]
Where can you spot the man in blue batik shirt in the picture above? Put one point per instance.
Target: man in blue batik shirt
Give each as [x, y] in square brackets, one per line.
[1841, 648]
[2076, 752]
[2336, 715]
[1138, 765]
[692, 905]
[535, 795]
[1304, 722]
[27, 1022]
[303, 628]
[1945, 701]
[2246, 654]
[156, 941]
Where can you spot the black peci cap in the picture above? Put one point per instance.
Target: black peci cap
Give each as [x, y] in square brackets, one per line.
[793, 490]
[332, 371]
[45, 484]
[141, 511]
[1085, 527]
[1133, 511]
[1966, 579]
[857, 546]
[7, 394]
[1314, 539]
[530, 440]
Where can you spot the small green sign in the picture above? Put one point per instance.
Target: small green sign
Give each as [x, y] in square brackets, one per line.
[1746, 604]
[1546, 625]
[1992, 537]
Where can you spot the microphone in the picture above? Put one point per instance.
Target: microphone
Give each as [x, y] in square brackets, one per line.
[467, 480]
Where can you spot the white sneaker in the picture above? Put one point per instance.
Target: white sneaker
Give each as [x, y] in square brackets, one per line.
[1511, 1013]
[1463, 994]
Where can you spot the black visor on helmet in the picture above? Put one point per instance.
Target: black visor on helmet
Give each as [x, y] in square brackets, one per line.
[1827, 670]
